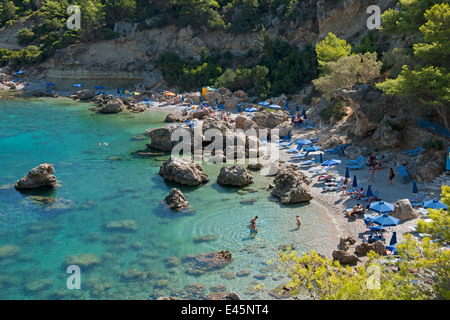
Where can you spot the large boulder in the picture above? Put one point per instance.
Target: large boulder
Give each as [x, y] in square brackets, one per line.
[378, 247]
[270, 119]
[85, 94]
[291, 186]
[345, 257]
[183, 171]
[404, 211]
[208, 261]
[176, 199]
[112, 106]
[236, 176]
[38, 177]
[161, 138]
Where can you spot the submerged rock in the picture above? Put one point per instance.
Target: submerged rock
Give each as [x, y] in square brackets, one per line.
[183, 171]
[124, 225]
[176, 200]
[236, 176]
[291, 186]
[208, 261]
[38, 177]
[86, 260]
[8, 251]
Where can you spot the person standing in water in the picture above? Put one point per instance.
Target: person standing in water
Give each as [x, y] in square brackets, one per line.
[252, 227]
[299, 222]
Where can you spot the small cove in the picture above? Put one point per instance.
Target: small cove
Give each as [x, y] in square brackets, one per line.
[103, 184]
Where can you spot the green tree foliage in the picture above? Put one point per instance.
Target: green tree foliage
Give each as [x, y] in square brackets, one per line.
[119, 10]
[7, 11]
[429, 82]
[420, 271]
[197, 13]
[25, 36]
[348, 71]
[331, 49]
[408, 17]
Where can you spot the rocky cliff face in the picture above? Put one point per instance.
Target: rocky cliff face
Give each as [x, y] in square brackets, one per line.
[127, 60]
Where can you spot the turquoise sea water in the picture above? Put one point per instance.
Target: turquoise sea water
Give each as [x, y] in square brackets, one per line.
[103, 184]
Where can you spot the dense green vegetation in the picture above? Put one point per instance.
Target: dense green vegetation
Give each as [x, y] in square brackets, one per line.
[427, 78]
[276, 68]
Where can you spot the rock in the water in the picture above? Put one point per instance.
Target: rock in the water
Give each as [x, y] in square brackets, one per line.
[183, 171]
[171, 118]
[113, 106]
[85, 94]
[8, 251]
[176, 199]
[236, 176]
[38, 177]
[125, 225]
[86, 260]
[208, 261]
[291, 186]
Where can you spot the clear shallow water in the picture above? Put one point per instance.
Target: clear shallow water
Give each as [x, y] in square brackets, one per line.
[100, 184]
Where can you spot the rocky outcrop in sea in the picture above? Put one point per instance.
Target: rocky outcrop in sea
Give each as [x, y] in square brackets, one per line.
[183, 171]
[38, 177]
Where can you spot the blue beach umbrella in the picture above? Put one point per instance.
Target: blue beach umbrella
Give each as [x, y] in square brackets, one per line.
[297, 108]
[321, 158]
[303, 141]
[252, 109]
[78, 85]
[99, 87]
[312, 148]
[386, 220]
[347, 173]
[50, 84]
[382, 207]
[393, 239]
[355, 181]
[434, 204]
[415, 189]
[303, 113]
[331, 162]
[286, 106]
[264, 103]
[182, 97]
[20, 72]
[369, 191]
[274, 106]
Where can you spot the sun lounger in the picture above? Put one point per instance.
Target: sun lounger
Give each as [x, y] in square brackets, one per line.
[356, 161]
[334, 188]
[300, 146]
[286, 145]
[310, 127]
[309, 162]
[300, 155]
[333, 150]
[357, 166]
[414, 152]
[323, 170]
[403, 174]
[286, 138]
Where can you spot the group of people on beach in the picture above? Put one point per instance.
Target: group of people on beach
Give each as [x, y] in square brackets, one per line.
[254, 231]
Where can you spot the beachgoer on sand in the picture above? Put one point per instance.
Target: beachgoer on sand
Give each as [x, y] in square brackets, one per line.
[391, 176]
[372, 174]
[344, 187]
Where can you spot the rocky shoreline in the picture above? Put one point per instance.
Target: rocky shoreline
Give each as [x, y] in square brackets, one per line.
[290, 185]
